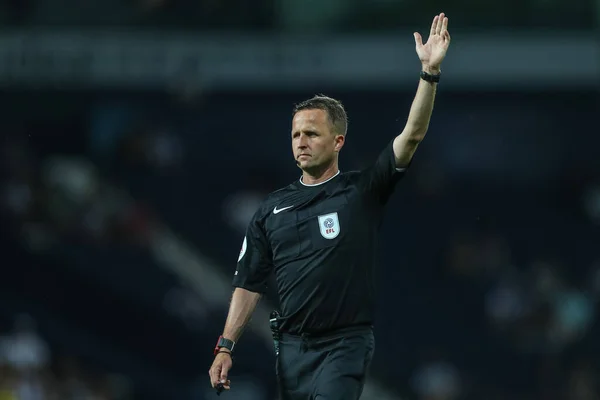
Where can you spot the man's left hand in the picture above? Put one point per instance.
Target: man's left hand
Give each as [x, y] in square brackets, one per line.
[433, 52]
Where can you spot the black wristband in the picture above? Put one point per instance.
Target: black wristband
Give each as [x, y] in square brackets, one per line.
[430, 78]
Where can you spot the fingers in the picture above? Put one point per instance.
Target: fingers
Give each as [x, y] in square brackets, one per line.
[214, 373]
[434, 25]
[440, 24]
[447, 37]
[444, 25]
[418, 39]
[224, 384]
[223, 374]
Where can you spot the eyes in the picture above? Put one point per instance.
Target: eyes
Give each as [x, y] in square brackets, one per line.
[310, 134]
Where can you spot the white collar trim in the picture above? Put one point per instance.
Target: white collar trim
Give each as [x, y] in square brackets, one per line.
[320, 183]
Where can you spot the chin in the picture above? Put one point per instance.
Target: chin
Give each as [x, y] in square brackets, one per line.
[310, 168]
[303, 165]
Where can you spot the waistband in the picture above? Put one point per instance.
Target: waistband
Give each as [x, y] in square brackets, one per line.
[366, 328]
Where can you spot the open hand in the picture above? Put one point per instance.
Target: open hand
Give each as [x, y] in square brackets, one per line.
[433, 52]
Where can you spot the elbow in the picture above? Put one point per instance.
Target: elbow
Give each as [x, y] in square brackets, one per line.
[404, 148]
[409, 139]
[413, 140]
[414, 134]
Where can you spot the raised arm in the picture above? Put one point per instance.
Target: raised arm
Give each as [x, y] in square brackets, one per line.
[431, 54]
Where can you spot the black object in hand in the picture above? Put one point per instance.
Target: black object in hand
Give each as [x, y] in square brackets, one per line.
[219, 388]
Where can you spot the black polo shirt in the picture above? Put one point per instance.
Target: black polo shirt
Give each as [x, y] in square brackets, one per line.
[321, 243]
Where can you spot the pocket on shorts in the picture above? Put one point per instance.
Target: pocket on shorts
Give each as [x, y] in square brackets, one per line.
[286, 365]
[358, 353]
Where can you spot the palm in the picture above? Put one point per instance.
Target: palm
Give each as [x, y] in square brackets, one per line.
[432, 52]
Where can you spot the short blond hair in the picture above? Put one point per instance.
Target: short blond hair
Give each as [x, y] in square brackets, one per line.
[334, 109]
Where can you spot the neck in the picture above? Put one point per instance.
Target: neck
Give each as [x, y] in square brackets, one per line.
[315, 177]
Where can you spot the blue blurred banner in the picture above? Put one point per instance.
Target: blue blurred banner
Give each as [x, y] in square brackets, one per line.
[154, 60]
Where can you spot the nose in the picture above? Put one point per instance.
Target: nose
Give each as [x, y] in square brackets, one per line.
[303, 142]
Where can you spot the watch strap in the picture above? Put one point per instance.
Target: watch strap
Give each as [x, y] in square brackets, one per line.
[430, 77]
[224, 343]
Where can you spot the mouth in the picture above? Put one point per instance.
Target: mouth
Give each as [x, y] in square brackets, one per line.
[303, 156]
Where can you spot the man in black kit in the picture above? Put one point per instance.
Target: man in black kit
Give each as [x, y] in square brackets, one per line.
[319, 237]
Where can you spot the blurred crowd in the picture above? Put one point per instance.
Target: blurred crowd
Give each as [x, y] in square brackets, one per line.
[512, 315]
[64, 196]
[48, 200]
[514, 304]
[30, 371]
[515, 293]
[529, 329]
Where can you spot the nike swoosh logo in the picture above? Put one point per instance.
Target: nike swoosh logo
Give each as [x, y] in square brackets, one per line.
[276, 211]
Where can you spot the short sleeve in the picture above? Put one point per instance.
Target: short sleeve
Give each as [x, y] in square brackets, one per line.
[381, 178]
[254, 262]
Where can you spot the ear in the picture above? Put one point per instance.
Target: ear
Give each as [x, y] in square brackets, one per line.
[339, 142]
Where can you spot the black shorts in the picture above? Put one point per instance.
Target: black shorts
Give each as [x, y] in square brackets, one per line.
[324, 367]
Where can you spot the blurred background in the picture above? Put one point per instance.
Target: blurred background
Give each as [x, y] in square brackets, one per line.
[139, 136]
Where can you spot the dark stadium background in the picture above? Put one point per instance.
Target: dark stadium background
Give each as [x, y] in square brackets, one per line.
[139, 136]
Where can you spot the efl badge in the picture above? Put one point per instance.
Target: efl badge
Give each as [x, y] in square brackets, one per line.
[329, 225]
[243, 250]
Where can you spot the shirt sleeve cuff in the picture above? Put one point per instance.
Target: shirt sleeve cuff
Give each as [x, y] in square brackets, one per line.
[259, 288]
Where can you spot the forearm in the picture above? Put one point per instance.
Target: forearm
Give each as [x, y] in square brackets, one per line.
[421, 109]
[416, 127]
[243, 303]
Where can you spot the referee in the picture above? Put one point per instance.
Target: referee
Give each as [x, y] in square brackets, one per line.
[319, 236]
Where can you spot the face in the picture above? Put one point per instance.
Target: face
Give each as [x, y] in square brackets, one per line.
[314, 144]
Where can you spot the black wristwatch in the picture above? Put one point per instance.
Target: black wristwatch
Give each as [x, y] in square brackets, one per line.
[430, 77]
[223, 343]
